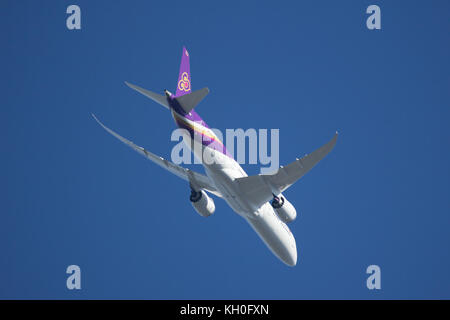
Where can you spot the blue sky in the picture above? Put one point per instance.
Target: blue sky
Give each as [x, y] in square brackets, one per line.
[72, 194]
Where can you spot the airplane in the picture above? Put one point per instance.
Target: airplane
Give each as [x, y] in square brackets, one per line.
[258, 198]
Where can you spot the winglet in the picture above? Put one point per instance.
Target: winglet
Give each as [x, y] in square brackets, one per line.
[98, 121]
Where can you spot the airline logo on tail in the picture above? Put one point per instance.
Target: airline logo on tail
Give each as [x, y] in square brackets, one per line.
[184, 77]
[184, 84]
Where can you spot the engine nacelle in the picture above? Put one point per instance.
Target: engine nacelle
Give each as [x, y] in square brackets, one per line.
[203, 204]
[284, 209]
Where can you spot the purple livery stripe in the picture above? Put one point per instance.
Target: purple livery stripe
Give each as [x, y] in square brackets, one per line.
[200, 131]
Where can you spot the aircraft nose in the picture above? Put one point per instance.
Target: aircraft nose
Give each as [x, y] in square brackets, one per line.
[291, 259]
[290, 256]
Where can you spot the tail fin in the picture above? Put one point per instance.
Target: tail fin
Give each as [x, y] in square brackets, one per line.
[184, 78]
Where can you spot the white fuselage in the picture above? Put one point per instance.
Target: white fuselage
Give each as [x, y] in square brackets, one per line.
[223, 172]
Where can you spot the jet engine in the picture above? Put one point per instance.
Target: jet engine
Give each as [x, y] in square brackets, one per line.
[203, 204]
[284, 209]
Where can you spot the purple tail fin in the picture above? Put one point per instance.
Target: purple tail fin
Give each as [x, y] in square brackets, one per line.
[184, 78]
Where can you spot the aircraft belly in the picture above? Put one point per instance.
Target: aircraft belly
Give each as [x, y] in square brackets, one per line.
[225, 184]
[223, 172]
[275, 234]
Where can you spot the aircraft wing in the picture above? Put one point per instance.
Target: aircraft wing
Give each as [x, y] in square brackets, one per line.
[259, 189]
[193, 177]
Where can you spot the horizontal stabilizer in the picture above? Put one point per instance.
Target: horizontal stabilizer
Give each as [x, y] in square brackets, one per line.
[162, 100]
[259, 189]
[191, 100]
